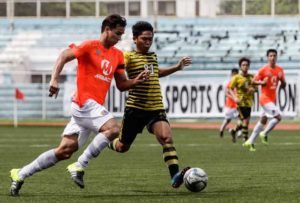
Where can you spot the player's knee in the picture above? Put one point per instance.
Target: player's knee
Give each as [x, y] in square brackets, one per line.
[120, 147]
[65, 152]
[264, 120]
[114, 132]
[278, 117]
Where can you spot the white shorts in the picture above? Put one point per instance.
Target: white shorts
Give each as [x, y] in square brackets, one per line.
[89, 118]
[270, 110]
[231, 113]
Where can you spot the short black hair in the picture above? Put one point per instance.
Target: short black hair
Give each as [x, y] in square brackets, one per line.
[271, 51]
[244, 59]
[112, 21]
[234, 70]
[139, 27]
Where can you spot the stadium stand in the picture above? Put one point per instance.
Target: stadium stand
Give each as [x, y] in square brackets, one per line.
[214, 44]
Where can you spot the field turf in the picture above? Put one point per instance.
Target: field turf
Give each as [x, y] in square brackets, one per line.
[271, 174]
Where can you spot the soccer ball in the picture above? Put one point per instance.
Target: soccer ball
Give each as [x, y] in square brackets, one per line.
[195, 179]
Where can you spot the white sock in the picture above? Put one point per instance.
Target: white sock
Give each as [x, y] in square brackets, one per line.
[224, 124]
[45, 160]
[273, 122]
[93, 150]
[257, 129]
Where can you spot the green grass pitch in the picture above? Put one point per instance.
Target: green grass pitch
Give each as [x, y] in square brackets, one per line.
[271, 174]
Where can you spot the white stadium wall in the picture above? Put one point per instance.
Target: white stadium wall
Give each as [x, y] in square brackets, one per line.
[201, 94]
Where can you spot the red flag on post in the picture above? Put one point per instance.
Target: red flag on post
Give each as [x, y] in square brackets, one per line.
[19, 95]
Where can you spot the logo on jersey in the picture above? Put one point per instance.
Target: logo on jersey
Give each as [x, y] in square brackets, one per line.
[149, 67]
[106, 67]
[98, 52]
[106, 71]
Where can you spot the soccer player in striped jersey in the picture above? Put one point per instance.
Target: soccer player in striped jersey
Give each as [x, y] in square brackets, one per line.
[144, 105]
[269, 76]
[242, 90]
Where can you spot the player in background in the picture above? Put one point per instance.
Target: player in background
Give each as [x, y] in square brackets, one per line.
[144, 107]
[242, 90]
[98, 63]
[230, 105]
[268, 76]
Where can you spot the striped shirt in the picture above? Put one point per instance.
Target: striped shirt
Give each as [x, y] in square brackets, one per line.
[146, 95]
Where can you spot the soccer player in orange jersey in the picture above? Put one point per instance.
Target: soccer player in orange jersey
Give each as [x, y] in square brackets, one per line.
[268, 76]
[98, 62]
[230, 105]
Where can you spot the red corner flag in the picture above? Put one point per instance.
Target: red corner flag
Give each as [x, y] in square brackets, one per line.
[19, 95]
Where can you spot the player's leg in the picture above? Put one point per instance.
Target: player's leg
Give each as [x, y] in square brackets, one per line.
[272, 111]
[257, 129]
[223, 126]
[133, 123]
[160, 127]
[67, 147]
[238, 126]
[246, 113]
[93, 117]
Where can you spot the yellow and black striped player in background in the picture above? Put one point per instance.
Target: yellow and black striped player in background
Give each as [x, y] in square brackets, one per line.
[243, 96]
[144, 105]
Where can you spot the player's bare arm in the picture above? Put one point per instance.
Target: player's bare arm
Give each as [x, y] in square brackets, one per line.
[228, 93]
[260, 82]
[66, 56]
[233, 95]
[123, 83]
[183, 62]
[282, 83]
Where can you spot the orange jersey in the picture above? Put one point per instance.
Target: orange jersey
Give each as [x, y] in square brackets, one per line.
[230, 103]
[268, 91]
[96, 68]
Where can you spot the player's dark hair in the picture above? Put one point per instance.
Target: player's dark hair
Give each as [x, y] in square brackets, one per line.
[234, 70]
[271, 51]
[139, 27]
[112, 21]
[244, 59]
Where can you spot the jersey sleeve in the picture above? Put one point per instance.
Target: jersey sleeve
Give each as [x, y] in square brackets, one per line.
[232, 82]
[281, 75]
[81, 49]
[126, 58]
[259, 75]
[120, 66]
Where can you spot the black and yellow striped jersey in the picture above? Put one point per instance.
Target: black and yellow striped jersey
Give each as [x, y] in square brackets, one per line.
[146, 95]
[244, 89]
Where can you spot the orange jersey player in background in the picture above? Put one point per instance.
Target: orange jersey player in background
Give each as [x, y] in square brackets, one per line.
[230, 111]
[269, 77]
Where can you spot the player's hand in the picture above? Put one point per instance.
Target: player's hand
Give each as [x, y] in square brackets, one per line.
[251, 90]
[143, 76]
[185, 61]
[237, 100]
[264, 82]
[53, 89]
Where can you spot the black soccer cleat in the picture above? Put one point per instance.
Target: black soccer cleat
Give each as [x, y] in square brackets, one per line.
[177, 179]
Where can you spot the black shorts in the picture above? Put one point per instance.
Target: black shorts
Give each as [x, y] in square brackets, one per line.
[135, 120]
[244, 112]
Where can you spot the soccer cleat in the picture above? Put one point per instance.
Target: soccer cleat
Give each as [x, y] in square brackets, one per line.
[177, 179]
[233, 135]
[16, 182]
[76, 174]
[249, 146]
[221, 134]
[263, 138]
